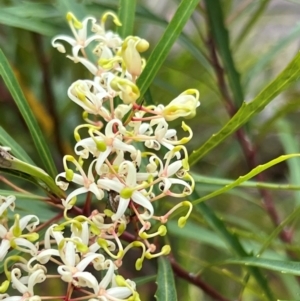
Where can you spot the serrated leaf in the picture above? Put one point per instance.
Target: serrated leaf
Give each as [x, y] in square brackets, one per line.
[255, 171]
[166, 290]
[162, 49]
[286, 267]
[35, 131]
[288, 76]
[126, 15]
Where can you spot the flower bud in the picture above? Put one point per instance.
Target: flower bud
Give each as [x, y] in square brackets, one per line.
[182, 106]
[130, 54]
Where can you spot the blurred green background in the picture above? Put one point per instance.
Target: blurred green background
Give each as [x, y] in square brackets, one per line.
[263, 36]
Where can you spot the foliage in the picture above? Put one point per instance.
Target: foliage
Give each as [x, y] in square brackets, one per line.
[241, 239]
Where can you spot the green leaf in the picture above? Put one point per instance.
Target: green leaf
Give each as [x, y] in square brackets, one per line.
[288, 76]
[233, 243]
[126, 16]
[75, 7]
[290, 145]
[286, 267]
[199, 179]
[255, 171]
[251, 22]
[16, 149]
[221, 38]
[20, 194]
[166, 290]
[196, 233]
[144, 279]
[30, 24]
[162, 49]
[32, 10]
[288, 220]
[36, 134]
[266, 58]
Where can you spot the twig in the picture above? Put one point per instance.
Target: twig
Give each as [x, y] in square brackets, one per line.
[182, 273]
[245, 141]
[194, 279]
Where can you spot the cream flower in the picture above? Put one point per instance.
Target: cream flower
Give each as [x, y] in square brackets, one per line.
[80, 40]
[15, 239]
[7, 202]
[128, 192]
[37, 276]
[182, 106]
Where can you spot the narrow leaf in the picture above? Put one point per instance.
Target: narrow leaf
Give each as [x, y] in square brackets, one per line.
[166, 290]
[286, 267]
[20, 194]
[288, 76]
[221, 182]
[16, 149]
[232, 241]
[221, 37]
[290, 145]
[126, 16]
[251, 22]
[267, 57]
[162, 49]
[36, 134]
[30, 24]
[255, 171]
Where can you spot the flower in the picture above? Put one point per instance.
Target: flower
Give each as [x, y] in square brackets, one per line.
[130, 54]
[91, 101]
[119, 288]
[14, 237]
[127, 187]
[79, 30]
[182, 106]
[7, 202]
[87, 181]
[37, 276]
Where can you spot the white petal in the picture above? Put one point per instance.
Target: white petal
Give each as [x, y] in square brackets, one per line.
[173, 168]
[87, 279]
[29, 247]
[123, 205]
[24, 222]
[44, 256]
[37, 276]
[108, 276]
[74, 193]
[108, 184]
[4, 247]
[65, 273]
[7, 202]
[15, 275]
[140, 199]
[89, 257]
[119, 292]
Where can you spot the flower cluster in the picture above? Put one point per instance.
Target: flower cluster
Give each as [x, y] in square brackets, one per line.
[129, 158]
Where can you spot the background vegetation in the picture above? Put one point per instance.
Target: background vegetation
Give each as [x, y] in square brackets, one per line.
[242, 240]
